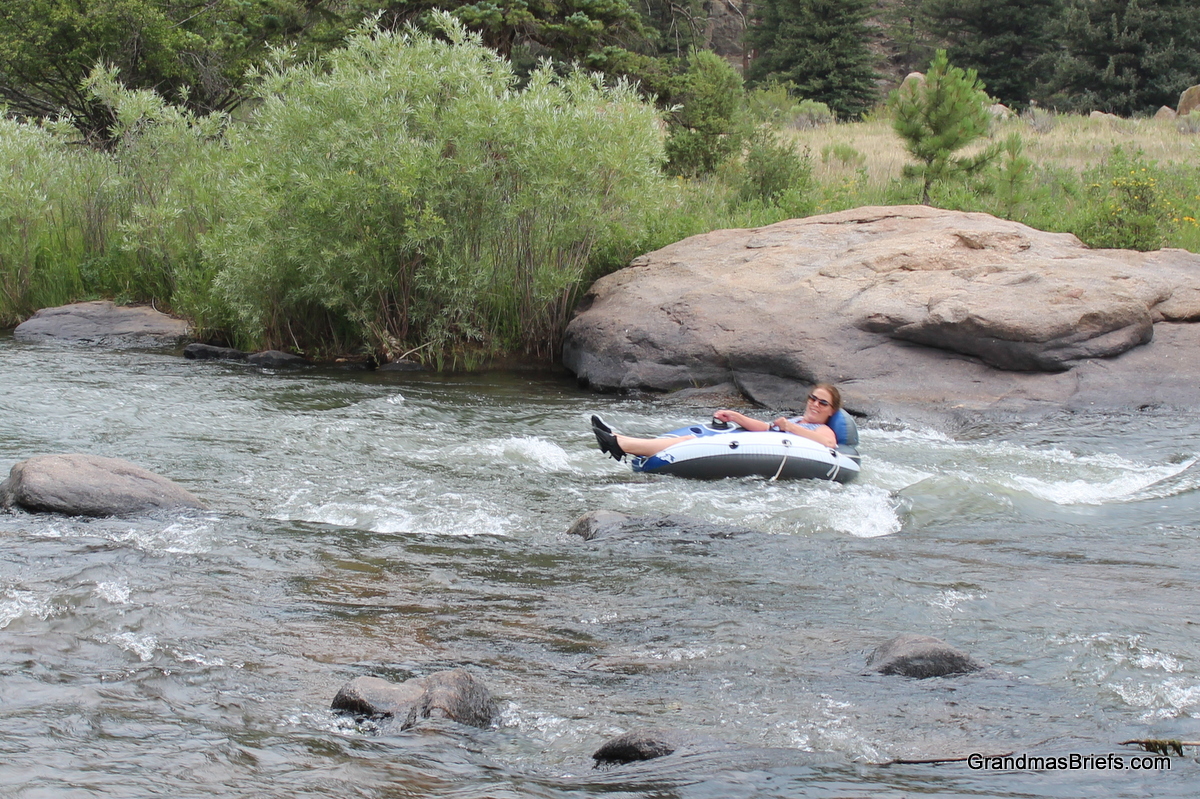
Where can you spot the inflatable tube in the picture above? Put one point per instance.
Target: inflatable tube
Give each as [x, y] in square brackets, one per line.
[718, 452]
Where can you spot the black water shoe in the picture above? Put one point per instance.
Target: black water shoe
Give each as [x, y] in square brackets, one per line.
[607, 439]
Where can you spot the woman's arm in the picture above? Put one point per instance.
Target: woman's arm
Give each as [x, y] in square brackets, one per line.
[822, 435]
[741, 420]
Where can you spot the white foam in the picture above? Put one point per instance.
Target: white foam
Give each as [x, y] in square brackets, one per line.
[116, 593]
[191, 537]
[143, 646]
[862, 511]
[1167, 699]
[529, 452]
[542, 726]
[1130, 479]
[951, 598]
[17, 604]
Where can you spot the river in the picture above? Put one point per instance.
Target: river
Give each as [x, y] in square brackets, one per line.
[364, 523]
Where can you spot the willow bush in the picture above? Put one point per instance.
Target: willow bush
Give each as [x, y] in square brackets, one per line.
[47, 226]
[123, 222]
[168, 168]
[406, 193]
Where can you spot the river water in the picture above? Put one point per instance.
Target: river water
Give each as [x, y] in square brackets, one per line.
[396, 525]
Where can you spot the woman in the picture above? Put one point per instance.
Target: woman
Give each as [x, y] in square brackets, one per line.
[823, 402]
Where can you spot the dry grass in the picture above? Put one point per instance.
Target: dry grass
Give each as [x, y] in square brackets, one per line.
[1064, 141]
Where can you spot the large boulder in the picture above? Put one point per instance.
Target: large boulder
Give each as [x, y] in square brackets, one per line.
[102, 323]
[905, 304]
[89, 485]
[1189, 101]
[921, 657]
[453, 694]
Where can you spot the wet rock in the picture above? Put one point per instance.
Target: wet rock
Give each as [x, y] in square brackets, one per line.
[725, 395]
[609, 525]
[454, 695]
[920, 656]
[903, 306]
[207, 352]
[649, 744]
[276, 359]
[89, 485]
[101, 323]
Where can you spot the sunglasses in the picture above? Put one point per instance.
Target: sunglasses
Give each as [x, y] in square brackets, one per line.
[819, 401]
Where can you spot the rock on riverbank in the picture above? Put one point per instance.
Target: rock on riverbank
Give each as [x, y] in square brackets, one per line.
[906, 305]
[102, 323]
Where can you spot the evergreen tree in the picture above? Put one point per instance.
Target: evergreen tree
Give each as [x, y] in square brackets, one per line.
[820, 46]
[937, 117]
[1125, 56]
[1007, 42]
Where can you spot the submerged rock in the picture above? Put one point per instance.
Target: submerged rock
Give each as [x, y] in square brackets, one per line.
[454, 695]
[277, 359]
[920, 656]
[207, 352]
[652, 743]
[608, 525]
[90, 485]
[101, 323]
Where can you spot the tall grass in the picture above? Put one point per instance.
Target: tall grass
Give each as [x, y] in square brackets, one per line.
[1066, 176]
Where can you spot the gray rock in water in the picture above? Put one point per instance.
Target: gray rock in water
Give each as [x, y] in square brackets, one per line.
[906, 305]
[454, 695]
[652, 743]
[207, 352]
[89, 485]
[277, 359]
[920, 656]
[608, 525]
[102, 323]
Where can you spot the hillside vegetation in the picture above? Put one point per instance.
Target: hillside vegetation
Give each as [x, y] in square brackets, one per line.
[420, 194]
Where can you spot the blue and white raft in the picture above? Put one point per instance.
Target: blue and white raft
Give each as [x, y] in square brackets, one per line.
[723, 450]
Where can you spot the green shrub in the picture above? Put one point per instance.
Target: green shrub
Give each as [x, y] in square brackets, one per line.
[773, 104]
[170, 166]
[1124, 209]
[844, 154]
[705, 129]
[406, 191]
[810, 114]
[41, 238]
[773, 168]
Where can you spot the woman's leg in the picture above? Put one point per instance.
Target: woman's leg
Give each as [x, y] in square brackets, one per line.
[648, 446]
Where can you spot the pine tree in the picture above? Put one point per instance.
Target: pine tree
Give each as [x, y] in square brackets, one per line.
[1125, 56]
[939, 116]
[1007, 42]
[820, 46]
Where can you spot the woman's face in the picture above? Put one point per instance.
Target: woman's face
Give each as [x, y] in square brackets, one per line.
[819, 407]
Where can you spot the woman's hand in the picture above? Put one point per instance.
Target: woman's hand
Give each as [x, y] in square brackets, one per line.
[741, 420]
